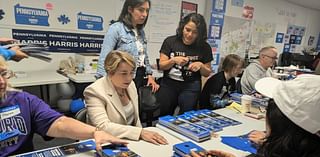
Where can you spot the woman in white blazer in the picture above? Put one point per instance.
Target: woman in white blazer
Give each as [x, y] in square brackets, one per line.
[112, 101]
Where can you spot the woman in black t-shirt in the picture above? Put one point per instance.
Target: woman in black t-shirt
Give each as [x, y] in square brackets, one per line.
[184, 58]
[222, 83]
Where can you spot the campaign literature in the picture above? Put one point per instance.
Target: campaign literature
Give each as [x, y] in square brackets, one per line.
[70, 149]
[222, 120]
[256, 102]
[193, 131]
[241, 142]
[185, 148]
[114, 150]
[202, 121]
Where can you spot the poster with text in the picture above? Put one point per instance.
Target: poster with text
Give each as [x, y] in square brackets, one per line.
[187, 8]
[215, 32]
[60, 41]
[217, 19]
[279, 37]
[219, 6]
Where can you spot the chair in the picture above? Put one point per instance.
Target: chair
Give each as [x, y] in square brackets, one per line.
[147, 104]
[81, 115]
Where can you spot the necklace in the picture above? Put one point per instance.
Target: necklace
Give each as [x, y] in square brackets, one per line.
[121, 94]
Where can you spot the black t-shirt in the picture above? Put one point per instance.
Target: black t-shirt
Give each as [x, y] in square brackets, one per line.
[172, 47]
[216, 85]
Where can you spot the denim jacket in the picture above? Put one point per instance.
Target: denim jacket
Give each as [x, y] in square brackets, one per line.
[120, 37]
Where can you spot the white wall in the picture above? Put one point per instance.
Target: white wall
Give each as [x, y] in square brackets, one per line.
[108, 9]
[282, 13]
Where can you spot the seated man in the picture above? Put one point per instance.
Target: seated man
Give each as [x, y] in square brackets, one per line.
[28, 114]
[258, 69]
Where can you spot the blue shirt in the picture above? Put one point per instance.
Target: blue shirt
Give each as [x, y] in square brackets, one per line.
[120, 37]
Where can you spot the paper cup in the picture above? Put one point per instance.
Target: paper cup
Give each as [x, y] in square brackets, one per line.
[246, 101]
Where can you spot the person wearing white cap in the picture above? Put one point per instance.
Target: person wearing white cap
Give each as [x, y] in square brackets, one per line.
[293, 119]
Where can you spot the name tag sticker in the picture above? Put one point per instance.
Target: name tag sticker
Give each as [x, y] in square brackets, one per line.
[10, 111]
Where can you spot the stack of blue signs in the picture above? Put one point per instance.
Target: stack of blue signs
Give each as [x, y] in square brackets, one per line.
[197, 125]
[193, 131]
[185, 148]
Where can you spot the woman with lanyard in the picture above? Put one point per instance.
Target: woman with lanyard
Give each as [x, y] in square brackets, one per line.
[184, 57]
[127, 35]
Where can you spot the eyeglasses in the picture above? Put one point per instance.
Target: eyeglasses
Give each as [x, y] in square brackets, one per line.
[7, 74]
[274, 58]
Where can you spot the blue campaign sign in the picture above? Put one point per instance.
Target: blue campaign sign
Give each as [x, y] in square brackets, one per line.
[90, 22]
[216, 43]
[61, 41]
[279, 37]
[286, 48]
[31, 16]
[219, 6]
[298, 39]
[215, 32]
[217, 18]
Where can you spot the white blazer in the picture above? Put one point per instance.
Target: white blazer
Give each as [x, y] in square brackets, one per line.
[105, 109]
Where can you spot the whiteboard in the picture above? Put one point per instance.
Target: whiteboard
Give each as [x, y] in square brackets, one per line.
[163, 19]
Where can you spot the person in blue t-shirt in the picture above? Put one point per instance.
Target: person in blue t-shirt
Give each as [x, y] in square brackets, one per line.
[29, 115]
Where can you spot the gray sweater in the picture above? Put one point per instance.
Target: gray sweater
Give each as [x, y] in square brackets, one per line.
[253, 72]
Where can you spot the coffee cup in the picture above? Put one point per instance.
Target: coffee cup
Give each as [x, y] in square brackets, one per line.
[246, 101]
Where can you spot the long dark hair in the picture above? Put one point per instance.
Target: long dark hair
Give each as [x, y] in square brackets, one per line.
[126, 17]
[286, 138]
[201, 27]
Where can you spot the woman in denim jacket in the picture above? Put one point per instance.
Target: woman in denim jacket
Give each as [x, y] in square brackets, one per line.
[127, 34]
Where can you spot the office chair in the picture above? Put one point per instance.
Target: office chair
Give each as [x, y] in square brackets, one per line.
[147, 104]
[81, 115]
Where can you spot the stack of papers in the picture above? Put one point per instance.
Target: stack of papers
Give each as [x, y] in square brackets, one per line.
[202, 121]
[185, 148]
[197, 125]
[188, 129]
[70, 149]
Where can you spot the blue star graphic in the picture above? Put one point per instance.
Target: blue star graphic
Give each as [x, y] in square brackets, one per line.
[1, 14]
[63, 19]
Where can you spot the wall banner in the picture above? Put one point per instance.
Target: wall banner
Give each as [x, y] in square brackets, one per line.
[31, 16]
[219, 6]
[61, 41]
[217, 19]
[90, 22]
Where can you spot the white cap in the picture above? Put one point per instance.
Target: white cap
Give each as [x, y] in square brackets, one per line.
[298, 99]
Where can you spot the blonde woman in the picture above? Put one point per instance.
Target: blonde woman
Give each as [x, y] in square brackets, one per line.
[112, 100]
